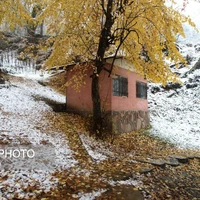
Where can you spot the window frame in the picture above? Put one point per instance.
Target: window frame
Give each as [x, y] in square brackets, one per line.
[120, 86]
[141, 90]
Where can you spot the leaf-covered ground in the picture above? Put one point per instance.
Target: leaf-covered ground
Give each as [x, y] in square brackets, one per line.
[124, 167]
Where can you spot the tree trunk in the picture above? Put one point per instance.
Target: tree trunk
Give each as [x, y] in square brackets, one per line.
[103, 44]
[97, 114]
[42, 28]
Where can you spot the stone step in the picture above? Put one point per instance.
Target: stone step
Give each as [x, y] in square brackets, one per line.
[179, 158]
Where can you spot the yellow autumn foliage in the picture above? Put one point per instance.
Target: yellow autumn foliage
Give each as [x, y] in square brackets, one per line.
[75, 28]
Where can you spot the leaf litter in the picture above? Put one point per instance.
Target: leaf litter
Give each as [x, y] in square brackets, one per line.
[86, 168]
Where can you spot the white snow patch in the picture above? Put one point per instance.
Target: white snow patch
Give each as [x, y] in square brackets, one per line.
[22, 118]
[136, 181]
[91, 196]
[95, 149]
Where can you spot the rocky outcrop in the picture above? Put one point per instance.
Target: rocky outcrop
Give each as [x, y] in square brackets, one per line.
[196, 66]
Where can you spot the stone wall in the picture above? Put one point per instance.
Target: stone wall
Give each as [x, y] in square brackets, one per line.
[121, 121]
[126, 121]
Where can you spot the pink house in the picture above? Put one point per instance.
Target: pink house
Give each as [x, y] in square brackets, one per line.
[123, 97]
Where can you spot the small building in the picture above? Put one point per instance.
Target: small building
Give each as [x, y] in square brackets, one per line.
[123, 96]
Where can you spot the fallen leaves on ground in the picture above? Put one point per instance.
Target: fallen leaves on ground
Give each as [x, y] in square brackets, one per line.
[179, 182]
[123, 164]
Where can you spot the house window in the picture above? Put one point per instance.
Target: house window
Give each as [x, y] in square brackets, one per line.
[120, 86]
[141, 90]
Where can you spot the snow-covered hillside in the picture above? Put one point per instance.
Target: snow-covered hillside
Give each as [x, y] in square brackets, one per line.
[192, 10]
[175, 113]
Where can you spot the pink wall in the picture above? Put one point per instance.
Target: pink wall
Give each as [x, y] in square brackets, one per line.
[82, 101]
[130, 102]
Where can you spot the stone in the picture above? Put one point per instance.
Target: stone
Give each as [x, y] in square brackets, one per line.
[3, 45]
[196, 66]
[171, 161]
[197, 47]
[188, 86]
[155, 89]
[145, 170]
[2, 80]
[181, 159]
[139, 124]
[197, 156]
[172, 86]
[157, 162]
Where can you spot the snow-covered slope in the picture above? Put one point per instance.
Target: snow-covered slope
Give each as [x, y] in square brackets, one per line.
[175, 113]
[24, 124]
[192, 10]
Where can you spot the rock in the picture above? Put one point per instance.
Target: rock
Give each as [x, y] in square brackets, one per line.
[181, 159]
[3, 45]
[197, 156]
[2, 80]
[15, 40]
[196, 66]
[172, 161]
[190, 157]
[155, 89]
[145, 170]
[194, 79]
[157, 162]
[197, 47]
[172, 86]
[189, 45]
[42, 83]
[189, 86]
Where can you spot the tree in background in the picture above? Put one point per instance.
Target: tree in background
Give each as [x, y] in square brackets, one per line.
[139, 30]
[21, 13]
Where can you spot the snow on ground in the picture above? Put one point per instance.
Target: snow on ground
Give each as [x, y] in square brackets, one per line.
[96, 149]
[175, 114]
[90, 196]
[176, 118]
[22, 120]
[192, 10]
